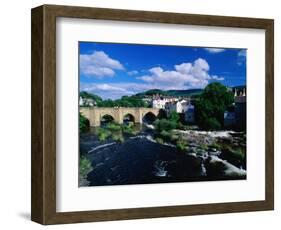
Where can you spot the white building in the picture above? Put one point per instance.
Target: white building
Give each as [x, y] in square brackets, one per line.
[159, 103]
[177, 106]
[86, 102]
[81, 102]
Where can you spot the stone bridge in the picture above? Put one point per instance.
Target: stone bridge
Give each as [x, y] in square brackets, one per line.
[95, 114]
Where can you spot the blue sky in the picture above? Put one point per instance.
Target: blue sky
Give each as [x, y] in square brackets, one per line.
[113, 70]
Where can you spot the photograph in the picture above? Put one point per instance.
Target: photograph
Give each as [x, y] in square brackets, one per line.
[160, 114]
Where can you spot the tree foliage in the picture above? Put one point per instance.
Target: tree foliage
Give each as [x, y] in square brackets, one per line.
[125, 101]
[85, 94]
[174, 116]
[211, 105]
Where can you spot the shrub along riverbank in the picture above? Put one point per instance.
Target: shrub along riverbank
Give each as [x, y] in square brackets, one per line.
[116, 131]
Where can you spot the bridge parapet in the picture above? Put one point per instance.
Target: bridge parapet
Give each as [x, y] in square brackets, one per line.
[95, 114]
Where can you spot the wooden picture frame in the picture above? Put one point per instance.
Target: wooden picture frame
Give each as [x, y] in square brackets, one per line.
[43, 208]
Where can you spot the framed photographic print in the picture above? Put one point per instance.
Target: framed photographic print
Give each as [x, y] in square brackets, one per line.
[141, 114]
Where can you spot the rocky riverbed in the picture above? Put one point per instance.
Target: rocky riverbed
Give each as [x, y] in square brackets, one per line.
[140, 159]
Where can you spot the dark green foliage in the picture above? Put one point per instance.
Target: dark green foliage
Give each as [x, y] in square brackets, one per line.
[181, 145]
[84, 123]
[125, 101]
[103, 134]
[85, 166]
[162, 114]
[164, 124]
[106, 103]
[174, 116]
[113, 126]
[211, 105]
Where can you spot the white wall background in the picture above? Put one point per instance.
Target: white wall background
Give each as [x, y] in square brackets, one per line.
[15, 113]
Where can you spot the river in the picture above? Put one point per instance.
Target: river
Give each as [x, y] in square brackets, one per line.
[140, 160]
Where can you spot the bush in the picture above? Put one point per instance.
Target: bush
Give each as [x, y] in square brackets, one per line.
[113, 126]
[174, 116]
[165, 134]
[103, 134]
[181, 145]
[174, 137]
[118, 138]
[159, 140]
[238, 153]
[84, 123]
[164, 124]
[127, 129]
[85, 167]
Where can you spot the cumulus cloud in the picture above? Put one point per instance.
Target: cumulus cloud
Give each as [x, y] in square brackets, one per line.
[184, 76]
[99, 64]
[214, 50]
[241, 57]
[133, 72]
[242, 53]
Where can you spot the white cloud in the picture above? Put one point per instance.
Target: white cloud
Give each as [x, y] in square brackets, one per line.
[241, 57]
[215, 77]
[214, 50]
[133, 72]
[242, 53]
[99, 64]
[114, 90]
[184, 76]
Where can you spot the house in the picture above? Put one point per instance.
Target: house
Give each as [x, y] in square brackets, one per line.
[229, 119]
[81, 102]
[189, 115]
[177, 106]
[237, 118]
[240, 112]
[159, 101]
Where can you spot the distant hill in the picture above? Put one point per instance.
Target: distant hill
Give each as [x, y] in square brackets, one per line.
[177, 93]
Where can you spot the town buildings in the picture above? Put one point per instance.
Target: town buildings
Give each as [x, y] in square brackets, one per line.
[237, 118]
[87, 102]
[179, 105]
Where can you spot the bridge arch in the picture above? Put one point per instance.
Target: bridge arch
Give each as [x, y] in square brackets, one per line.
[149, 117]
[106, 118]
[128, 117]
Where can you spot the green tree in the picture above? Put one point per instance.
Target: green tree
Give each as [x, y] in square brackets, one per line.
[211, 105]
[174, 116]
